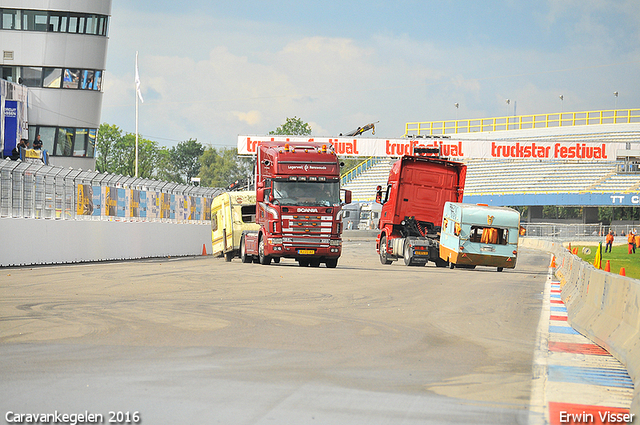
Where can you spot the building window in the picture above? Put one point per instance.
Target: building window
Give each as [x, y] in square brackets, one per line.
[80, 142]
[64, 142]
[71, 78]
[34, 20]
[53, 21]
[91, 142]
[10, 19]
[31, 76]
[52, 77]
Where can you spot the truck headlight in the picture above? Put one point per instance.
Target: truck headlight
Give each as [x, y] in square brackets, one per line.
[274, 241]
[335, 242]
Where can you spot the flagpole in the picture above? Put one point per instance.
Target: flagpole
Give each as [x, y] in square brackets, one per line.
[136, 95]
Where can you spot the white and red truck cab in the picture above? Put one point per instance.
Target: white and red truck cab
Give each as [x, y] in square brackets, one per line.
[298, 205]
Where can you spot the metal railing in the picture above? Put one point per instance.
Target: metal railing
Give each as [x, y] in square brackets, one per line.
[359, 169]
[523, 122]
[34, 190]
[578, 232]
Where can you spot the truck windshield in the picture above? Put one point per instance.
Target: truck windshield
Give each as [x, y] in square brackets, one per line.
[321, 194]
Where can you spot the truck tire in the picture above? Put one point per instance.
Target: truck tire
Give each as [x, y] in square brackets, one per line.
[265, 260]
[315, 262]
[228, 256]
[331, 263]
[500, 269]
[384, 259]
[303, 262]
[408, 256]
[276, 259]
[243, 252]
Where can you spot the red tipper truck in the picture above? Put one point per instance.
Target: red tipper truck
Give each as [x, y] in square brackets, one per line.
[298, 205]
[412, 207]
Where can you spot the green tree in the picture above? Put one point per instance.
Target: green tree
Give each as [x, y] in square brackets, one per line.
[116, 153]
[221, 167]
[186, 157]
[108, 136]
[293, 126]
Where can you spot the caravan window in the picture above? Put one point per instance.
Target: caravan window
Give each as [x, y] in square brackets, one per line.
[214, 221]
[248, 213]
[489, 235]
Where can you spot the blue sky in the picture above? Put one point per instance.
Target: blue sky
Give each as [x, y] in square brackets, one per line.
[211, 70]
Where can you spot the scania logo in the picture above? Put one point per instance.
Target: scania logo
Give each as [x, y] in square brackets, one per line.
[315, 210]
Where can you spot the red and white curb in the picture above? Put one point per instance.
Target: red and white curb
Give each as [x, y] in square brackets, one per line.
[574, 380]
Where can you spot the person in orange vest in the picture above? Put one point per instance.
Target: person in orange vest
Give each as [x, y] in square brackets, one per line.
[631, 239]
[609, 240]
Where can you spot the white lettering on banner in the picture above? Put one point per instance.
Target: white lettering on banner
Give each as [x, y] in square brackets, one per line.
[451, 148]
[635, 199]
[615, 198]
[10, 112]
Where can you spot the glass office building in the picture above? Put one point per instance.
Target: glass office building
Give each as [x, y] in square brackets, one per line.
[58, 49]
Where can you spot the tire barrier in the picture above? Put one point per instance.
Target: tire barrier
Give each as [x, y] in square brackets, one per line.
[603, 306]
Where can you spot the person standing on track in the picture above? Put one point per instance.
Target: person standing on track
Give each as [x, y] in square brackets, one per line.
[631, 239]
[609, 240]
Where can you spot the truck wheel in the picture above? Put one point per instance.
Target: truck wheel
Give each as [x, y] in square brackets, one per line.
[276, 260]
[499, 269]
[243, 252]
[315, 263]
[384, 259]
[303, 263]
[228, 256]
[331, 263]
[408, 257]
[265, 260]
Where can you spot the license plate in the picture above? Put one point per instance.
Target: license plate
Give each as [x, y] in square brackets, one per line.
[487, 249]
[306, 251]
[422, 252]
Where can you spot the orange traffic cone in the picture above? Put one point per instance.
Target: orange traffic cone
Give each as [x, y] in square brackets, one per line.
[553, 262]
[204, 249]
[607, 267]
[622, 272]
[575, 251]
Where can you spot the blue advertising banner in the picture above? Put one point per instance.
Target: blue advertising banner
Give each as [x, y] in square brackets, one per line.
[10, 126]
[589, 199]
[122, 209]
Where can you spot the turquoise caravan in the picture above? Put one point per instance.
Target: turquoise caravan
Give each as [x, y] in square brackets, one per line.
[479, 235]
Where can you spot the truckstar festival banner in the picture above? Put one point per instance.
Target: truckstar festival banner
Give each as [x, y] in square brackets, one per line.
[451, 148]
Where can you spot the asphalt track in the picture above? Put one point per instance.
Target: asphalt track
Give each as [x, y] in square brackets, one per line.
[197, 340]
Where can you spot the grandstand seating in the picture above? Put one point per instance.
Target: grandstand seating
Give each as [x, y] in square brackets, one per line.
[509, 176]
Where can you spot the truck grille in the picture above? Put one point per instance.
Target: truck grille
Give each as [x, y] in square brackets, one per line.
[296, 225]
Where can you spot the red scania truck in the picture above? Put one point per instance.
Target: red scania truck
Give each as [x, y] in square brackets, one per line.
[413, 205]
[298, 205]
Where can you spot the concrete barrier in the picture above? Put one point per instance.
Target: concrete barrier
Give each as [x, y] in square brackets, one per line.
[39, 241]
[603, 306]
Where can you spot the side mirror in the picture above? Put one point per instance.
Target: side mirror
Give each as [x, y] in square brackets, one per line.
[347, 196]
[260, 194]
[379, 194]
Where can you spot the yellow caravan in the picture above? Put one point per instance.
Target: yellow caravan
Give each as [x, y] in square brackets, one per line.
[231, 214]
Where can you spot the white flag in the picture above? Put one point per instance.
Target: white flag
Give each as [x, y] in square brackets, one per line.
[138, 81]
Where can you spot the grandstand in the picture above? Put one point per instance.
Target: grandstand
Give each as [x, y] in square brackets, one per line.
[592, 183]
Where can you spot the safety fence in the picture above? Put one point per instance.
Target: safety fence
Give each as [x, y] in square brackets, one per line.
[523, 122]
[31, 189]
[603, 306]
[574, 232]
